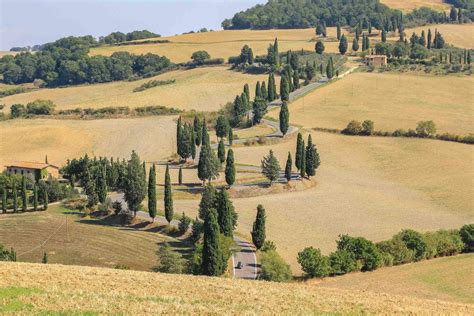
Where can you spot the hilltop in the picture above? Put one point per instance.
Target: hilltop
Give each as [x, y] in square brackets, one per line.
[99, 290]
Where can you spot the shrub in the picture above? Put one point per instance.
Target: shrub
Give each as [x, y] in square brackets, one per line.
[367, 128]
[268, 245]
[399, 133]
[353, 128]
[313, 263]
[17, 110]
[40, 107]
[6, 255]
[274, 268]
[117, 207]
[467, 235]
[184, 223]
[200, 56]
[152, 84]
[443, 243]
[169, 261]
[414, 241]
[426, 129]
[396, 248]
[342, 262]
[362, 250]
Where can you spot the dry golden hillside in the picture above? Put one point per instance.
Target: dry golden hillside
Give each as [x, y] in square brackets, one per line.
[37, 288]
[408, 5]
[459, 35]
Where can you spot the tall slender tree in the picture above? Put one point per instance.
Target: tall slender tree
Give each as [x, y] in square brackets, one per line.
[197, 130]
[355, 45]
[338, 31]
[312, 158]
[221, 151]
[330, 69]
[212, 257]
[45, 199]
[24, 196]
[208, 201]
[270, 167]
[284, 88]
[258, 231]
[384, 36]
[258, 90]
[225, 214]
[284, 118]
[168, 197]
[134, 184]
[303, 160]
[289, 163]
[4, 198]
[101, 185]
[343, 45]
[264, 91]
[179, 136]
[230, 137]
[299, 145]
[180, 176]
[429, 39]
[276, 53]
[208, 166]
[271, 87]
[152, 192]
[230, 168]
[35, 197]
[247, 92]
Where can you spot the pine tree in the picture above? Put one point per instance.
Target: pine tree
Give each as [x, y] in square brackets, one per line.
[264, 91]
[338, 32]
[355, 45]
[312, 158]
[221, 151]
[197, 130]
[134, 184]
[270, 167]
[258, 90]
[271, 88]
[212, 257]
[152, 192]
[284, 118]
[429, 40]
[45, 199]
[180, 176]
[284, 88]
[24, 196]
[226, 215]
[230, 168]
[208, 201]
[35, 197]
[299, 145]
[101, 185]
[4, 198]
[258, 231]
[288, 168]
[343, 45]
[384, 36]
[303, 160]
[319, 47]
[168, 197]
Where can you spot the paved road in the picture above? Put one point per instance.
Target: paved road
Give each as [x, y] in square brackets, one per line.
[245, 254]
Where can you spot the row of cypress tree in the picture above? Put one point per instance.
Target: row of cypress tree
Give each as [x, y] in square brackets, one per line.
[13, 193]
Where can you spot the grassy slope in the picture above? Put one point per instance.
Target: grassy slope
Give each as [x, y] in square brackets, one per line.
[202, 89]
[447, 279]
[27, 288]
[408, 5]
[392, 101]
[81, 241]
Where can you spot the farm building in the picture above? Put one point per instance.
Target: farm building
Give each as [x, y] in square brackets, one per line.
[34, 170]
[376, 60]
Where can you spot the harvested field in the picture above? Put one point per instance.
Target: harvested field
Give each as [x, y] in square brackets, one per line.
[409, 5]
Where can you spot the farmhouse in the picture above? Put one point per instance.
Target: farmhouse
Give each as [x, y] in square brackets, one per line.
[34, 170]
[376, 60]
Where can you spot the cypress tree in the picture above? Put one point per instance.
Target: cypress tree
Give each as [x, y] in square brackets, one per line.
[312, 158]
[296, 80]
[4, 198]
[192, 142]
[258, 91]
[338, 32]
[429, 40]
[101, 185]
[276, 53]
[370, 28]
[284, 88]
[208, 166]
[468, 57]
[258, 231]
[319, 47]
[259, 110]
[221, 126]
[460, 15]
[225, 214]
[271, 87]
[221, 151]
[15, 197]
[343, 45]
[197, 130]
[264, 91]
[180, 176]
[45, 199]
[247, 92]
[288, 167]
[299, 145]
[422, 39]
[284, 118]
[208, 201]
[35, 197]
[204, 134]
[355, 45]
[152, 192]
[453, 14]
[179, 137]
[384, 36]
[230, 138]
[230, 168]
[212, 257]
[168, 197]
[303, 160]
[330, 69]
[134, 184]
[270, 167]
[45, 258]
[24, 197]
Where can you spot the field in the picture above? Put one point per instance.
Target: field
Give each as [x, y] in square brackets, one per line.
[202, 89]
[223, 44]
[459, 35]
[31, 140]
[73, 240]
[392, 101]
[447, 279]
[27, 289]
[408, 5]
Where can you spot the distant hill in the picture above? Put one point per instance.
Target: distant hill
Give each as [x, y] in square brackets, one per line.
[51, 289]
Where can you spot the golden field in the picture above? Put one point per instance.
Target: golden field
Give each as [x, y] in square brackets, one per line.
[201, 89]
[447, 279]
[392, 101]
[459, 35]
[74, 240]
[224, 44]
[28, 289]
[409, 5]
[382, 184]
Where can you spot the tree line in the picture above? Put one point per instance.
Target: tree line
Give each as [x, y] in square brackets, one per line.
[117, 37]
[66, 62]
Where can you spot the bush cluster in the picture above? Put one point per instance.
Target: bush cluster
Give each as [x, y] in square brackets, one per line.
[360, 254]
[152, 84]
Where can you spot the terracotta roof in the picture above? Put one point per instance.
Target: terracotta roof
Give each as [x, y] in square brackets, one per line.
[30, 165]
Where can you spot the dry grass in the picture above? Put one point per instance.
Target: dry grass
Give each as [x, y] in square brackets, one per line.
[28, 289]
[392, 101]
[254, 131]
[409, 5]
[447, 279]
[80, 241]
[202, 89]
[459, 35]
[382, 184]
[152, 137]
